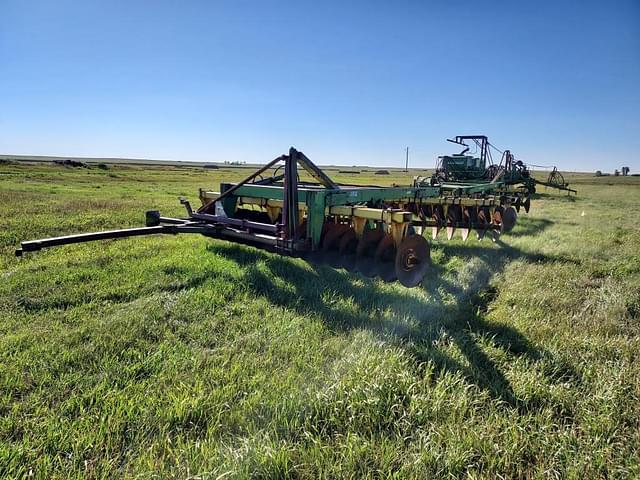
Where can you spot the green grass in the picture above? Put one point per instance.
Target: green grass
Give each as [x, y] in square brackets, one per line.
[194, 358]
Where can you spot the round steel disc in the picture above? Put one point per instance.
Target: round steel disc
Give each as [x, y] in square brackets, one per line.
[509, 218]
[453, 217]
[348, 262]
[332, 234]
[412, 260]
[347, 249]
[331, 243]
[366, 251]
[438, 217]
[496, 218]
[366, 266]
[483, 221]
[385, 259]
[332, 258]
[469, 215]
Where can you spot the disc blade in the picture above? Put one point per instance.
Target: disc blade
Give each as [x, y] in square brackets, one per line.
[366, 266]
[386, 271]
[453, 217]
[469, 215]
[483, 221]
[347, 249]
[366, 250]
[385, 259]
[412, 260]
[496, 218]
[527, 204]
[348, 262]
[450, 232]
[509, 218]
[332, 257]
[437, 216]
[332, 235]
[348, 242]
[331, 243]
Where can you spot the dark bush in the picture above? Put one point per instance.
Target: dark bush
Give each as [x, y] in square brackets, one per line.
[70, 163]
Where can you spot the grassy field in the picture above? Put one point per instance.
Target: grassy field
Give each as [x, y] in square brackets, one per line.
[194, 358]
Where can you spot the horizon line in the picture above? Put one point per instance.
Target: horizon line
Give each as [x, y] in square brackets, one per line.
[151, 161]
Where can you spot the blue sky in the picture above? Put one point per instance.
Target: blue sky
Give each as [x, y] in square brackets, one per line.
[349, 83]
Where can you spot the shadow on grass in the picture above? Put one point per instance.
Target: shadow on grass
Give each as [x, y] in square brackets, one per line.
[450, 311]
[531, 227]
[552, 193]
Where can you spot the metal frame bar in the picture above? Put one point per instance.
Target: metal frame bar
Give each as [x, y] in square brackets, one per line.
[35, 245]
[205, 208]
[237, 222]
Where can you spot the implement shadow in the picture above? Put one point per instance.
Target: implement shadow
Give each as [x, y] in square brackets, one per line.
[532, 226]
[421, 324]
[554, 194]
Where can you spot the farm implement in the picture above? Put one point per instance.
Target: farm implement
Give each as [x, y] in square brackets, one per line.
[377, 231]
[513, 174]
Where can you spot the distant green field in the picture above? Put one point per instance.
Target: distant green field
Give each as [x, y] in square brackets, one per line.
[188, 357]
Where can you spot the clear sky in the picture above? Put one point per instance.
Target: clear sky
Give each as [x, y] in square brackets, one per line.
[557, 82]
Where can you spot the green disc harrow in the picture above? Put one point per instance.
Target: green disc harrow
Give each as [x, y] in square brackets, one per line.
[374, 230]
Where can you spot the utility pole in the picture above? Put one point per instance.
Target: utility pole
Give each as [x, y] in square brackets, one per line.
[406, 162]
